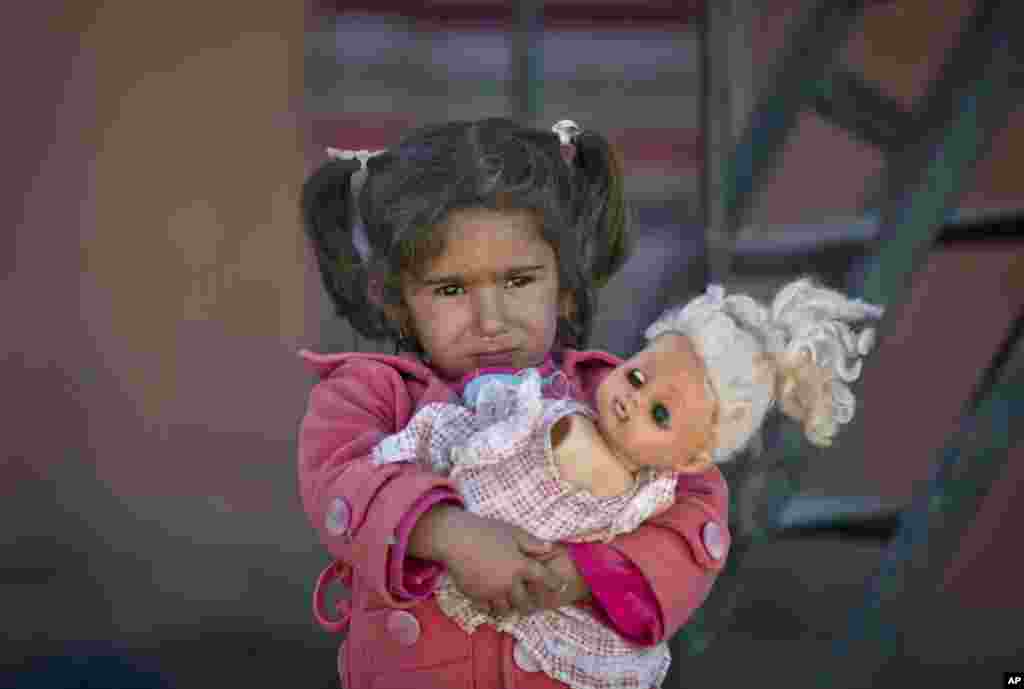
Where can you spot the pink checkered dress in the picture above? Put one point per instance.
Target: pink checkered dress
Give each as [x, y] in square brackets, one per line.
[501, 458]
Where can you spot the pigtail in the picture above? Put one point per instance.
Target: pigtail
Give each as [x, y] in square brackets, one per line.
[600, 183]
[327, 211]
[821, 356]
[806, 394]
[800, 354]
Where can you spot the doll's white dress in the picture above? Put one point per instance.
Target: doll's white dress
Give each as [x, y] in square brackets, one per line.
[497, 449]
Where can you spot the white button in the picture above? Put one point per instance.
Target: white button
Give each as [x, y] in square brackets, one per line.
[338, 516]
[711, 534]
[524, 658]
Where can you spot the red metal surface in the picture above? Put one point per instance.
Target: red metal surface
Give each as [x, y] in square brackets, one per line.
[660, 13]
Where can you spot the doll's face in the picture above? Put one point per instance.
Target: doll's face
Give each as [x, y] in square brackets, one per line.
[655, 411]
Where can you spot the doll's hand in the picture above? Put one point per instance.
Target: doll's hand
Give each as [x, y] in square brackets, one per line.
[499, 566]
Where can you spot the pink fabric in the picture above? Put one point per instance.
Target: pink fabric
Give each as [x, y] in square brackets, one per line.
[498, 452]
[608, 574]
[504, 469]
[621, 595]
[622, 598]
[363, 397]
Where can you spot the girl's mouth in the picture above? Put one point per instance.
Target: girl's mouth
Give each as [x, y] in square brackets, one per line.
[501, 358]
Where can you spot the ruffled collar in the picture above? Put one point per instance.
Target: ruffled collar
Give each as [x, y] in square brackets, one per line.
[546, 369]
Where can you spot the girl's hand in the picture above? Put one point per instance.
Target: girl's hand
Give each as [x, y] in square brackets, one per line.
[562, 565]
[498, 566]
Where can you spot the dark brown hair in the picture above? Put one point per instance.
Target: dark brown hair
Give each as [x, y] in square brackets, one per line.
[493, 163]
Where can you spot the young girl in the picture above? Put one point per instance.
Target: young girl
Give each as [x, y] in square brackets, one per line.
[565, 472]
[484, 243]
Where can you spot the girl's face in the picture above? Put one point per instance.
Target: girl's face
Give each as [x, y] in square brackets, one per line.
[655, 411]
[492, 297]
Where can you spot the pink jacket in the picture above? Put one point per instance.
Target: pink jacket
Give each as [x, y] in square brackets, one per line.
[645, 584]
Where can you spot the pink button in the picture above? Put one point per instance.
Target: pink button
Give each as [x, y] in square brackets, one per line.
[711, 534]
[337, 518]
[524, 659]
[403, 627]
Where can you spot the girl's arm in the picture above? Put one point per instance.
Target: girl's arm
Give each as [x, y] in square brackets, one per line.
[357, 507]
[366, 512]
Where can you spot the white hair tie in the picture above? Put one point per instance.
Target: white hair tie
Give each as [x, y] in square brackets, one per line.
[567, 131]
[716, 294]
[361, 155]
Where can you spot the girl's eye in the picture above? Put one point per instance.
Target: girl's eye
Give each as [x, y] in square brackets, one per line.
[453, 290]
[660, 415]
[521, 281]
[636, 377]
[447, 290]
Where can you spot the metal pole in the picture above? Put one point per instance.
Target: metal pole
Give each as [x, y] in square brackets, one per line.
[525, 47]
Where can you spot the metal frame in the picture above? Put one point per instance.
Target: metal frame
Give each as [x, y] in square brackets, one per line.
[929, 531]
[974, 92]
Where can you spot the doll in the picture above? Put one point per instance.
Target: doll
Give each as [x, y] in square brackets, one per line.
[694, 396]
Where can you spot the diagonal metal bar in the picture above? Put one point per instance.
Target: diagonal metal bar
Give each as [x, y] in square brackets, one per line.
[931, 528]
[972, 98]
[811, 47]
[848, 101]
[974, 95]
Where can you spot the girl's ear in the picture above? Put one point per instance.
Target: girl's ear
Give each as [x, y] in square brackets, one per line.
[567, 305]
[399, 317]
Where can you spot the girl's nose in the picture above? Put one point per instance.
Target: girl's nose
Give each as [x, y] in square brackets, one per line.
[491, 317]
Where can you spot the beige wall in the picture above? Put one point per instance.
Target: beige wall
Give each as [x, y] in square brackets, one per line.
[158, 288]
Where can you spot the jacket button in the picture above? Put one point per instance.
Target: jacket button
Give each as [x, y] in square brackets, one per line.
[714, 543]
[337, 519]
[403, 627]
[524, 658]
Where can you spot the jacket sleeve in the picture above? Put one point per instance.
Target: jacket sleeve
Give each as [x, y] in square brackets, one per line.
[356, 506]
[646, 584]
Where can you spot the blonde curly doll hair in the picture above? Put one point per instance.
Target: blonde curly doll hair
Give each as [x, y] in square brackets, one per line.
[799, 354]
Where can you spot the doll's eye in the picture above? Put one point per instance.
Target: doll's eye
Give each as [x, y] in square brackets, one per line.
[660, 415]
[636, 377]
[447, 290]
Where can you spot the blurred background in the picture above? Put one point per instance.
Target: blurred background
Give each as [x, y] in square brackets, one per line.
[156, 288]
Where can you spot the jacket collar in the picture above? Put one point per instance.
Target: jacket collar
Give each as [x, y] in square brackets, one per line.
[569, 360]
[325, 364]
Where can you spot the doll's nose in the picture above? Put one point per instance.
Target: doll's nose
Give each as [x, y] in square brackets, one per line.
[621, 409]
